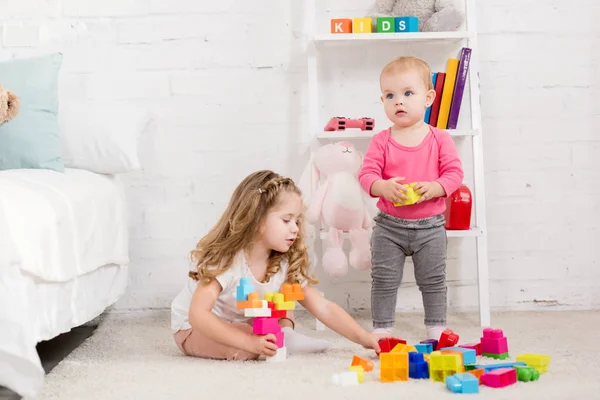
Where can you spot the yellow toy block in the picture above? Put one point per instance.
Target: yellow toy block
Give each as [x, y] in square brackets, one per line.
[360, 372]
[292, 292]
[393, 367]
[537, 361]
[269, 297]
[362, 25]
[281, 304]
[403, 348]
[443, 365]
[413, 197]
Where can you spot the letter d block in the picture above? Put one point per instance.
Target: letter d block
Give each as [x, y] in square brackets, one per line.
[385, 25]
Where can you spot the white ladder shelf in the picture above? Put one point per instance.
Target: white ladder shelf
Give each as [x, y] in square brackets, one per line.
[318, 41]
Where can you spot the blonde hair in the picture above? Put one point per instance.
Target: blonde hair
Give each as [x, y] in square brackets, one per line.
[404, 63]
[248, 207]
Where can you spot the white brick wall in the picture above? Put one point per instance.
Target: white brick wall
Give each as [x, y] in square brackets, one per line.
[227, 79]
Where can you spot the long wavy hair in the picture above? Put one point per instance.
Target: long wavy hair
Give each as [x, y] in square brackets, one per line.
[239, 225]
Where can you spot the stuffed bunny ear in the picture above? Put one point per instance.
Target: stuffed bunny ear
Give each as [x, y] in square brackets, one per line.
[309, 180]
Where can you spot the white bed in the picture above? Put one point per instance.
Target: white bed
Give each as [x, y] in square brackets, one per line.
[63, 261]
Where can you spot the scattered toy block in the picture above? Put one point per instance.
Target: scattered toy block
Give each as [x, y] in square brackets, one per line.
[341, 25]
[499, 378]
[433, 342]
[292, 292]
[444, 365]
[279, 339]
[403, 348]
[263, 311]
[494, 344]
[269, 296]
[462, 383]
[360, 372]
[243, 289]
[537, 361]
[424, 348]
[265, 325]
[348, 378]
[454, 352]
[280, 356]
[491, 367]
[417, 366]
[387, 344]
[253, 301]
[406, 24]
[281, 304]
[469, 355]
[363, 362]
[386, 25]
[478, 373]
[362, 25]
[447, 339]
[276, 313]
[527, 373]
[474, 346]
[393, 367]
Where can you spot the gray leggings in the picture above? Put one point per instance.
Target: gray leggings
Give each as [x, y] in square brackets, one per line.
[394, 239]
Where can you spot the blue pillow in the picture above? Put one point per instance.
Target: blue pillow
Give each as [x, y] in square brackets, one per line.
[31, 139]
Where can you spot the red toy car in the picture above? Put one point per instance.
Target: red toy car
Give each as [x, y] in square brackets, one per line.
[342, 123]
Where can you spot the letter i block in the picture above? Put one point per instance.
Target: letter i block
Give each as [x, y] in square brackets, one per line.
[341, 25]
[406, 24]
[494, 344]
[244, 288]
[385, 25]
[292, 292]
[265, 325]
[363, 25]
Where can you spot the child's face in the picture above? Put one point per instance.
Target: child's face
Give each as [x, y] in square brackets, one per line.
[405, 97]
[280, 228]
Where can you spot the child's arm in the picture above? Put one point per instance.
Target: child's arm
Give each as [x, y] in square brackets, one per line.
[205, 322]
[337, 319]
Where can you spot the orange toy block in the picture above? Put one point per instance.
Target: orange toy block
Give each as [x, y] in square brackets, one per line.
[477, 372]
[292, 292]
[341, 25]
[253, 302]
[393, 367]
[403, 348]
[359, 361]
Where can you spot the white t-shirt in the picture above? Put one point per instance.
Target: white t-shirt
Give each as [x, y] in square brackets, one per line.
[226, 305]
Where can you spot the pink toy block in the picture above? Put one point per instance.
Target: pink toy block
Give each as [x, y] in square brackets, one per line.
[493, 341]
[473, 346]
[265, 325]
[499, 378]
[280, 340]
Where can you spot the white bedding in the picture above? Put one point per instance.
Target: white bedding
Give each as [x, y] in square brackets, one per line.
[63, 260]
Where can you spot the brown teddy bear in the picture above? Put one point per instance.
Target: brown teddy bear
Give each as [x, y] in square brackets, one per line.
[9, 105]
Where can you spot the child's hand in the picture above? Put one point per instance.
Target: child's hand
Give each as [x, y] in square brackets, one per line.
[370, 340]
[263, 345]
[428, 190]
[393, 191]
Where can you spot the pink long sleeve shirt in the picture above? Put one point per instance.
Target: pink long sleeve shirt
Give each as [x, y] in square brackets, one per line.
[434, 159]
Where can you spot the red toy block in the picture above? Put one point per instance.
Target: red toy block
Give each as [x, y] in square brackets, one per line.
[493, 341]
[265, 325]
[342, 123]
[388, 344]
[472, 346]
[499, 378]
[447, 339]
[276, 313]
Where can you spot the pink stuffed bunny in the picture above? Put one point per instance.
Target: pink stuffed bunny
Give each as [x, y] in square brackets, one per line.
[340, 204]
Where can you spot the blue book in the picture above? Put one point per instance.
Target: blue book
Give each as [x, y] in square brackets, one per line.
[428, 111]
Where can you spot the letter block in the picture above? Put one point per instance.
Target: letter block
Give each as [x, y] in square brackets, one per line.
[341, 25]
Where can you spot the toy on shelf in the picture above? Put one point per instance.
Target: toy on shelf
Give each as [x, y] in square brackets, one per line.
[458, 209]
[343, 123]
[434, 15]
[381, 24]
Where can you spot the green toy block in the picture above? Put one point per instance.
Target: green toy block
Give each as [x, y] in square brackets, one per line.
[502, 356]
[527, 373]
[385, 25]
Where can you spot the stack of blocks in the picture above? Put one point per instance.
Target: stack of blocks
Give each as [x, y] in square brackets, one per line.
[445, 361]
[384, 25]
[266, 313]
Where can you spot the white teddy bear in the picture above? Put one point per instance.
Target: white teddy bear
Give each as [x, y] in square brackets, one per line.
[434, 15]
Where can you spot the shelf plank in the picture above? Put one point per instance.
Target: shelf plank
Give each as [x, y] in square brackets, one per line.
[358, 134]
[473, 232]
[406, 36]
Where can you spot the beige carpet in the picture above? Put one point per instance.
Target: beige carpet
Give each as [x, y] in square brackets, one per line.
[132, 356]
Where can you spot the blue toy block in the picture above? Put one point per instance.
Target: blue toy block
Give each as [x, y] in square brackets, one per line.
[406, 24]
[491, 367]
[418, 368]
[433, 342]
[244, 289]
[462, 383]
[426, 348]
[469, 356]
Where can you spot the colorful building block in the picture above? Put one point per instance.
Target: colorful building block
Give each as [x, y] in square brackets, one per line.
[418, 368]
[364, 363]
[499, 378]
[527, 373]
[478, 373]
[388, 344]
[263, 311]
[265, 325]
[362, 25]
[276, 313]
[253, 301]
[412, 196]
[494, 344]
[393, 367]
[462, 383]
[474, 346]
[433, 342]
[447, 339]
[537, 361]
[444, 365]
[469, 355]
[243, 289]
[406, 24]
[403, 348]
[280, 356]
[281, 304]
[348, 378]
[491, 367]
[360, 372]
[424, 348]
[386, 25]
[292, 292]
[341, 25]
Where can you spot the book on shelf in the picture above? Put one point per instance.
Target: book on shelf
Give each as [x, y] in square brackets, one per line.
[449, 89]
[428, 111]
